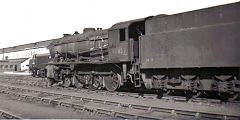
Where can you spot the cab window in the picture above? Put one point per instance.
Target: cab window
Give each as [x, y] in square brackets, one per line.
[122, 34]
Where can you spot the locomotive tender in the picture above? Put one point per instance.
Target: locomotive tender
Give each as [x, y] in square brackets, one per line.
[194, 52]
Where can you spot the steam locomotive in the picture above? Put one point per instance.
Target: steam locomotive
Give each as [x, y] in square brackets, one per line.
[194, 52]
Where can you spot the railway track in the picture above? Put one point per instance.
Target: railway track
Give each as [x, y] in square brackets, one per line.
[110, 107]
[42, 83]
[7, 115]
[134, 94]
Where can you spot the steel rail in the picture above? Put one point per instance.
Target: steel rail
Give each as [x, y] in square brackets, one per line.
[8, 115]
[143, 95]
[122, 105]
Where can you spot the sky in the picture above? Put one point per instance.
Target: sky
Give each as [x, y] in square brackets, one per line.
[28, 21]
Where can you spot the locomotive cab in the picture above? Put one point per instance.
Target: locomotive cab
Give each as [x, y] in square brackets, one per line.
[123, 40]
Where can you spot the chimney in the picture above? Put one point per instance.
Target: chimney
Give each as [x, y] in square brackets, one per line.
[76, 32]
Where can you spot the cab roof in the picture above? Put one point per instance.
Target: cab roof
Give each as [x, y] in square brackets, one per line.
[125, 24]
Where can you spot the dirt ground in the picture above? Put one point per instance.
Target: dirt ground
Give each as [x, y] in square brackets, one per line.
[40, 111]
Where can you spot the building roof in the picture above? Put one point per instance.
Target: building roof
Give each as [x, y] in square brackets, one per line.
[20, 60]
[26, 46]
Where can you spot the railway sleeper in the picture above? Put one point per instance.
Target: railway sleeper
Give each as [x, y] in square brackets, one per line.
[133, 107]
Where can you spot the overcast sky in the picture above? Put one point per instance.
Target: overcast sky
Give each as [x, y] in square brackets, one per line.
[27, 21]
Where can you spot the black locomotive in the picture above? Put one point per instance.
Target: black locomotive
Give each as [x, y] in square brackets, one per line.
[194, 52]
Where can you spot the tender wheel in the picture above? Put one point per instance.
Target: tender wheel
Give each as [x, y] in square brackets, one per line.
[228, 96]
[112, 82]
[190, 94]
[67, 82]
[77, 82]
[162, 93]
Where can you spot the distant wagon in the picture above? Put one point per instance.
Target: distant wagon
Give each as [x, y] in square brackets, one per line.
[37, 65]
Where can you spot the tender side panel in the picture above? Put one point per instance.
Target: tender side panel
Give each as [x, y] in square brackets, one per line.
[203, 38]
[194, 19]
[213, 45]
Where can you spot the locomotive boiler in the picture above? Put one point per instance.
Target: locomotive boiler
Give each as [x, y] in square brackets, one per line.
[70, 46]
[194, 52]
